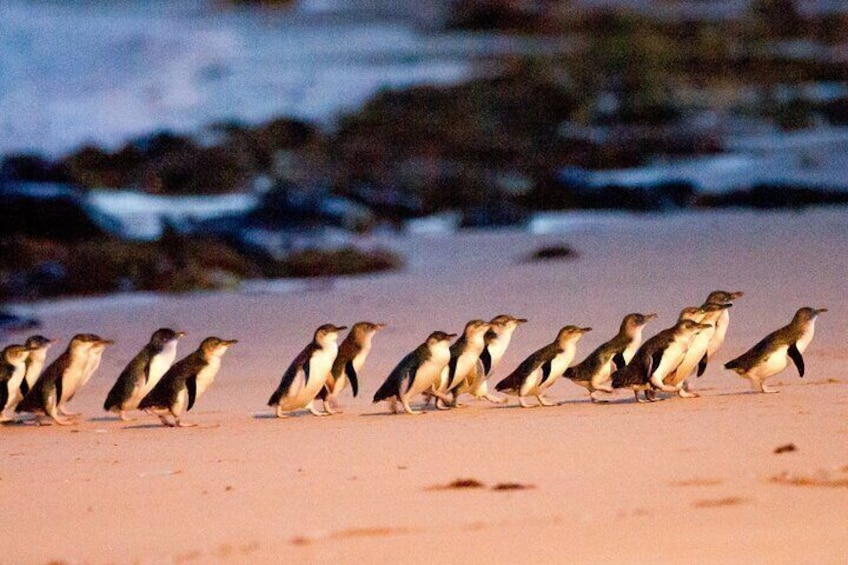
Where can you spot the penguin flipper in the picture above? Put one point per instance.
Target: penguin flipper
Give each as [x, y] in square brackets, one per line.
[452, 368]
[352, 377]
[656, 359]
[702, 365]
[410, 376]
[797, 358]
[546, 371]
[619, 361]
[58, 390]
[191, 387]
[486, 359]
[24, 387]
[4, 395]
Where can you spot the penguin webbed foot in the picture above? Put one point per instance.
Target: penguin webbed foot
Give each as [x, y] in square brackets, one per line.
[543, 401]
[523, 404]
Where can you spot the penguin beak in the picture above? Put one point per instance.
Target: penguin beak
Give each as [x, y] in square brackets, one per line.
[521, 320]
[651, 316]
[584, 330]
[820, 310]
[231, 342]
[451, 336]
[737, 294]
[181, 334]
[378, 327]
[106, 342]
[340, 328]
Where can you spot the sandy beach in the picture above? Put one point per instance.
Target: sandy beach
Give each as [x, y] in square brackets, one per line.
[678, 481]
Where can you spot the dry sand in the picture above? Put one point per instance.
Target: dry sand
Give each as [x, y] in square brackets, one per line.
[672, 482]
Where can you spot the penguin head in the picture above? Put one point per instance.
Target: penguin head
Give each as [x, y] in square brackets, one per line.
[691, 327]
[634, 321]
[81, 343]
[692, 313]
[807, 314]
[438, 338]
[724, 296]
[162, 336]
[37, 342]
[363, 330]
[328, 333]
[571, 333]
[710, 307]
[15, 354]
[505, 322]
[215, 346]
[476, 328]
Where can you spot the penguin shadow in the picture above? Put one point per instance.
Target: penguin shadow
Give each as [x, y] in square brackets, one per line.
[288, 416]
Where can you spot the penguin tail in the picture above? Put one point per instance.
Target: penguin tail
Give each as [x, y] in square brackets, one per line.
[570, 373]
[732, 365]
[275, 398]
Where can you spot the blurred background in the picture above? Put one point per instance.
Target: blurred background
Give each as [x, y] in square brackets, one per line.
[164, 145]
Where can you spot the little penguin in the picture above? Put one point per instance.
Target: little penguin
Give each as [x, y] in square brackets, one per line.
[12, 370]
[656, 358]
[696, 357]
[496, 341]
[36, 346]
[541, 369]
[720, 297]
[465, 353]
[593, 373]
[143, 372]
[92, 362]
[180, 386]
[307, 374]
[772, 354]
[349, 361]
[417, 372]
[64, 371]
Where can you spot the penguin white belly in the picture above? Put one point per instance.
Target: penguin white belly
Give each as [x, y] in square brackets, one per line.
[91, 366]
[773, 364]
[426, 375]
[633, 346]
[530, 386]
[497, 349]
[159, 365]
[694, 353]
[464, 365]
[559, 365]
[806, 337]
[206, 375]
[33, 370]
[14, 385]
[720, 331]
[305, 392]
[671, 359]
[70, 381]
[180, 403]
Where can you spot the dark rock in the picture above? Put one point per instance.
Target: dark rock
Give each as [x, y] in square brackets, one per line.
[774, 196]
[51, 211]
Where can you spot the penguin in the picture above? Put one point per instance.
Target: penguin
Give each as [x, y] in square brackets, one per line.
[68, 368]
[92, 362]
[180, 386]
[720, 297]
[496, 341]
[465, 353]
[12, 370]
[349, 361]
[656, 358]
[594, 371]
[417, 372]
[37, 346]
[772, 354]
[143, 372]
[696, 357]
[307, 374]
[541, 369]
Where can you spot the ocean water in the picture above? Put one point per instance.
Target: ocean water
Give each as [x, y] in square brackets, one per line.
[73, 73]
